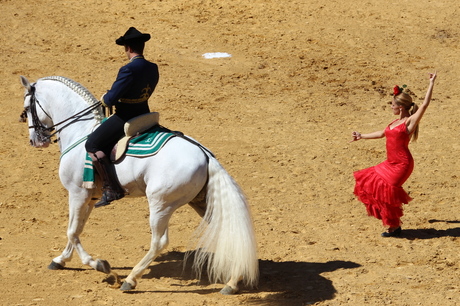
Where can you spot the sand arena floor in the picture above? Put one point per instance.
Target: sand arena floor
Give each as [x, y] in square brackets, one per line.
[278, 114]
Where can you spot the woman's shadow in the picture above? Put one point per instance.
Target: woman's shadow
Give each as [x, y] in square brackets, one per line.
[281, 282]
[429, 233]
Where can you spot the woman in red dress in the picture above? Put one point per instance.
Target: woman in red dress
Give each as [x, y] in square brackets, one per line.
[380, 187]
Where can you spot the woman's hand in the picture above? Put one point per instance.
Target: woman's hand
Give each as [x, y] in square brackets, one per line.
[356, 136]
[433, 77]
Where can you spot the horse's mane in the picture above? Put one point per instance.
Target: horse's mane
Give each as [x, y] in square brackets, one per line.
[80, 90]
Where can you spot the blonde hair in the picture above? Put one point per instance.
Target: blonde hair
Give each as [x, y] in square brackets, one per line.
[405, 100]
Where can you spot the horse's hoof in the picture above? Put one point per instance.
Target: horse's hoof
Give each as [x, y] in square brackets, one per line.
[55, 266]
[103, 266]
[227, 290]
[126, 286]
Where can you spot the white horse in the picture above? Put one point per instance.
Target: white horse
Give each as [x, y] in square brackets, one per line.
[182, 172]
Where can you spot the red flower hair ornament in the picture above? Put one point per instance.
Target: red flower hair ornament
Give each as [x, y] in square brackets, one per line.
[397, 90]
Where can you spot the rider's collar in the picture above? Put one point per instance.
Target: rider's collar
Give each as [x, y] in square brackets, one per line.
[136, 57]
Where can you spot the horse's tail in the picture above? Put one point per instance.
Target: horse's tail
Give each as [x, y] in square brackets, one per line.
[226, 239]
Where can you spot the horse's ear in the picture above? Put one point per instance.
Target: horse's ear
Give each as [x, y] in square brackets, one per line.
[26, 83]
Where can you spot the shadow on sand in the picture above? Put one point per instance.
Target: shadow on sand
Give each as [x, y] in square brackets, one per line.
[281, 283]
[429, 233]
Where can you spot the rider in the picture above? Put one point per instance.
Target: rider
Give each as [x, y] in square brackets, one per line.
[130, 92]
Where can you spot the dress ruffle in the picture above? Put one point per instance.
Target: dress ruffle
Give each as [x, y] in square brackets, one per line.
[381, 199]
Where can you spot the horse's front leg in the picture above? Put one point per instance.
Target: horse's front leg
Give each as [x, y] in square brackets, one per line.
[159, 227]
[79, 210]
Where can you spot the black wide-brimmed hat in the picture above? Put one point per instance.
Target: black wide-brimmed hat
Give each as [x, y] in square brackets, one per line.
[132, 35]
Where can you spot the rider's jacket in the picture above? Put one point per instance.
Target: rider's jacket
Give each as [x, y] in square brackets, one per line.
[130, 92]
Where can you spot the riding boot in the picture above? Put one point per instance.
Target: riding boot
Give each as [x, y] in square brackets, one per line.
[111, 188]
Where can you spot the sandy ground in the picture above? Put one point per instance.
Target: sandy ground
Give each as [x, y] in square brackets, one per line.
[278, 115]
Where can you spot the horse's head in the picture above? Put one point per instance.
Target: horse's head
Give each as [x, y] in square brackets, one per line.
[37, 118]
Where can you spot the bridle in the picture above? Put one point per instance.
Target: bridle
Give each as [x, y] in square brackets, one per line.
[41, 130]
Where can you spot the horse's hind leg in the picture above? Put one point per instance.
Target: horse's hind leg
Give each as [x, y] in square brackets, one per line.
[199, 203]
[159, 226]
[232, 286]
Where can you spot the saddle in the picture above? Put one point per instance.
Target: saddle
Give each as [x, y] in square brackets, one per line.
[133, 128]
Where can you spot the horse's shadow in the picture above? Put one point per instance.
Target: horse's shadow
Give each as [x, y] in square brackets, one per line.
[297, 283]
[281, 282]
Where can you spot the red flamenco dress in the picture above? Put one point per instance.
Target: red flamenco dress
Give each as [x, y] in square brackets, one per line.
[380, 187]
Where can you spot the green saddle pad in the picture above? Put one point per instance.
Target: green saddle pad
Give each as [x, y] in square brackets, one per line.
[147, 144]
[150, 142]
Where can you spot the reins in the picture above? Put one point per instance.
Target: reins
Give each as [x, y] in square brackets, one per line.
[41, 129]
